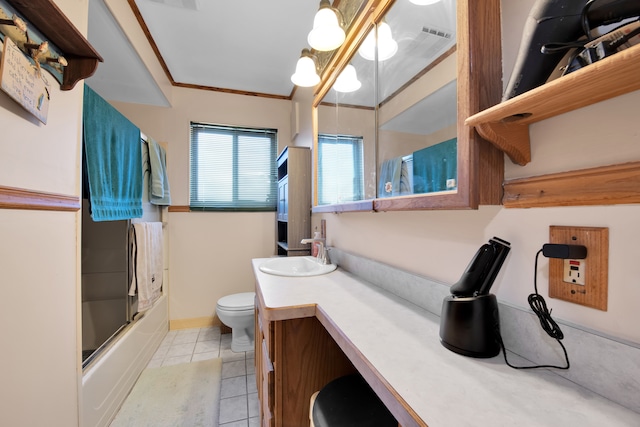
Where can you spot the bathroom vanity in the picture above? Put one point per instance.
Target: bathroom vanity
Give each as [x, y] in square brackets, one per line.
[312, 330]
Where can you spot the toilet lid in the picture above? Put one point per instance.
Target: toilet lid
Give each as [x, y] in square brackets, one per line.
[238, 302]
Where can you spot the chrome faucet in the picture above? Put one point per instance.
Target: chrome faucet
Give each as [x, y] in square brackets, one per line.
[323, 255]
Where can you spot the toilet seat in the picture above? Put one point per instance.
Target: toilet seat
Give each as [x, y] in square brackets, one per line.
[238, 302]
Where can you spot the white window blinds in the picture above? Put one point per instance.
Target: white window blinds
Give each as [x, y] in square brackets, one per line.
[232, 168]
[340, 169]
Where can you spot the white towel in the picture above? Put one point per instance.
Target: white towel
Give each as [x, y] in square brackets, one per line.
[147, 262]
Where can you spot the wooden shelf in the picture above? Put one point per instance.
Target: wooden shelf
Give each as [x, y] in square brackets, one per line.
[506, 125]
[55, 26]
[606, 185]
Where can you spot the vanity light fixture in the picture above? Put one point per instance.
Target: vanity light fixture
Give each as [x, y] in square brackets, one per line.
[424, 2]
[306, 74]
[327, 33]
[387, 46]
[347, 81]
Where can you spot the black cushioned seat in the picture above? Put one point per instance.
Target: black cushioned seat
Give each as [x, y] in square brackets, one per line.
[350, 402]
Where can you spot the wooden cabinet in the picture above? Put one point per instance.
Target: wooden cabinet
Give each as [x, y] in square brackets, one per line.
[294, 358]
[294, 201]
[480, 165]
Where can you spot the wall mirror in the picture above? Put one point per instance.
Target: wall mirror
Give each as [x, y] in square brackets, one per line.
[417, 114]
[411, 105]
[346, 136]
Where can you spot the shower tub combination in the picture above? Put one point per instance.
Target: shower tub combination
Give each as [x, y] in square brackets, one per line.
[117, 343]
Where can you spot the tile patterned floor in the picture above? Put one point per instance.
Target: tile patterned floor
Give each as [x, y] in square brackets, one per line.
[238, 393]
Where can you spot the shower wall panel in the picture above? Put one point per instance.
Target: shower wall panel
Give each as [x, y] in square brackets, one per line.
[104, 279]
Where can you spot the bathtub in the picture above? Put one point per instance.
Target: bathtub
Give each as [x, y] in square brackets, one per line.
[108, 380]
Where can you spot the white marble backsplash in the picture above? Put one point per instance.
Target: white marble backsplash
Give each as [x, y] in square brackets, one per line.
[603, 365]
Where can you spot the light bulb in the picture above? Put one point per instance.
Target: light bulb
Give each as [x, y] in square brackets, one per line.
[327, 33]
[306, 74]
[387, 46]
[347, 81]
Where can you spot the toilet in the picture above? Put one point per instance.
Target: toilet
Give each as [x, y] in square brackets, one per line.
[237, 311]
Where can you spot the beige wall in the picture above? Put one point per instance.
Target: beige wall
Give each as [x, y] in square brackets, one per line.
[439, 245]
[39, 268]
[209, 252]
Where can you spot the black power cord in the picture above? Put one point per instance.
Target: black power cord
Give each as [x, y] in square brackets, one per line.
[539, 306]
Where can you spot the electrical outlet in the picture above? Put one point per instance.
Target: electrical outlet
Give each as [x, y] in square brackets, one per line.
[581, 281]
[573, 271]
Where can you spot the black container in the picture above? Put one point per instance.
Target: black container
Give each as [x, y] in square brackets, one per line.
[470, 325]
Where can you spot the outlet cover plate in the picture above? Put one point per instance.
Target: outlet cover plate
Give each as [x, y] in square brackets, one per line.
[594, 292]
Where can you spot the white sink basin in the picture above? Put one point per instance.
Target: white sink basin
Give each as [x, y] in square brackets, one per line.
[299, 266]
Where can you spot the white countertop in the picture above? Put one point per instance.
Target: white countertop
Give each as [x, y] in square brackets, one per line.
[401, 342]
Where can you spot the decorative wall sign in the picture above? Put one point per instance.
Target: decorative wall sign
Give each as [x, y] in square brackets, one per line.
[23, 81]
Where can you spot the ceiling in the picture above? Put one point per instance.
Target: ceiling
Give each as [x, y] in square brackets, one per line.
[252, 46]
[236, 45]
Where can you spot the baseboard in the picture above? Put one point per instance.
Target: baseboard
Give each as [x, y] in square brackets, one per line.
[198, 322]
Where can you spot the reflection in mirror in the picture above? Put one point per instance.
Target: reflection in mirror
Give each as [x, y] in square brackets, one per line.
[417, 109]
[406, 104]
[346, 137]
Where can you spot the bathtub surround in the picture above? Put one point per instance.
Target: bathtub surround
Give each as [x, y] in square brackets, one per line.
[105, 305]
[108, 377]
[605, 366]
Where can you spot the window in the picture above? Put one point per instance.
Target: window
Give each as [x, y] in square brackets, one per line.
[232, 168]
[340, 169]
